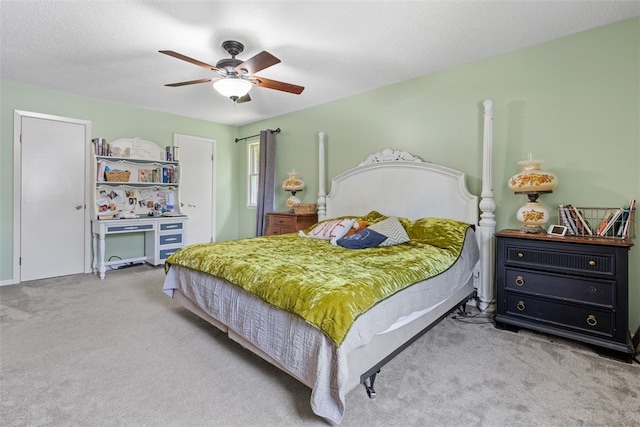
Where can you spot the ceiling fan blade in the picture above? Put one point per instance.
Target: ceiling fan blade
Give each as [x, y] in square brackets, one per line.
[245, 98]
[274, 84]
[190, 82]
[186, 58]
[258, 62]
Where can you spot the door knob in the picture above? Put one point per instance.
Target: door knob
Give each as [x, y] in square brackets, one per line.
[78, 207]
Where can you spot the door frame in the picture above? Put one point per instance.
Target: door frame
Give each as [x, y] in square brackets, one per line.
[17, 185]
[176, 138]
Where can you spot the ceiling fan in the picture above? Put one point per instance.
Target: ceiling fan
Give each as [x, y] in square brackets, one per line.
[237, 76]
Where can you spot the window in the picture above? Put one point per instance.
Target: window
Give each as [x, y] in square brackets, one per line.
[253, 169]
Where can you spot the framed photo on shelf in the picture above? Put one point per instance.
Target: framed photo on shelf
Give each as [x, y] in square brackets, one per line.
[557, 230]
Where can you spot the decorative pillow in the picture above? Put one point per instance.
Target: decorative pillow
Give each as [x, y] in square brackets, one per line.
[329, 230]
[435, 231]
[357, 226]
[391, 228]
[366, 238]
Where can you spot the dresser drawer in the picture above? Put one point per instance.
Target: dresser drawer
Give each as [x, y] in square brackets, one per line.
[166, 253]
[171, 226]
[282, 221]
[170, 239]
[580, 319]
[560, 286]
[565, 259]
[129, 228]
[286, 222]
[275, 230]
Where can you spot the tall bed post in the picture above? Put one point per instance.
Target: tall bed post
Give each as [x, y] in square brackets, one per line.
[322, 194]
[487, 224]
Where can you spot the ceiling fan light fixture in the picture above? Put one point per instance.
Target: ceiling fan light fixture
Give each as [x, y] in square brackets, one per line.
[232, 87]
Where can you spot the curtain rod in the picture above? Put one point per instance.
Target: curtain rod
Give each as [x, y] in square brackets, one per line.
[253, 136]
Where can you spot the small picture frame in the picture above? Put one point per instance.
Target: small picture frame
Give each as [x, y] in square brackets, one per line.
[557, 230]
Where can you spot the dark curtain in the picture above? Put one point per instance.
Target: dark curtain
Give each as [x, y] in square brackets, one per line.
[266, 178]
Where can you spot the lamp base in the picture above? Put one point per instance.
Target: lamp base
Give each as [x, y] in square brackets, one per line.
[533, 215]
[292, 201]
[533, 229]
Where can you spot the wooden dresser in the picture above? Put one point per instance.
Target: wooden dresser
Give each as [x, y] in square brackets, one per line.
[285, 222]
[574, 287]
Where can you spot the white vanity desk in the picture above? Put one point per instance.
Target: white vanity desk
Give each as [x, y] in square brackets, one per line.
[131, 178]
[163, 236]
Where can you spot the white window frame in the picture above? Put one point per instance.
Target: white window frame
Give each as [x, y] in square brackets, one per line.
[253, 170]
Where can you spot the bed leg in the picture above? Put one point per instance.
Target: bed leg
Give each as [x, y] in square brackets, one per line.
[370, 390]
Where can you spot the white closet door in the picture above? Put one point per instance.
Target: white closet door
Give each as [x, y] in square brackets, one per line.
[197, 186]
[52, 227]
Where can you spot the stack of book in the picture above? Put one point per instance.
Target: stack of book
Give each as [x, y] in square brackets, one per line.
[162, 174]
[575, 222]
[171, 153]
[613, 222]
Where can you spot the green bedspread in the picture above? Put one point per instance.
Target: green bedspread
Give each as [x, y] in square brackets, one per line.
[328, 286]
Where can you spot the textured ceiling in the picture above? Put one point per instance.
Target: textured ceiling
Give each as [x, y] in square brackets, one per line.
[109, 49]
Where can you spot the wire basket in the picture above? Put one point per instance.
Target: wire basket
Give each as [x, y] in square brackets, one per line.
[304, 208]
[117, 176]
[601, 222]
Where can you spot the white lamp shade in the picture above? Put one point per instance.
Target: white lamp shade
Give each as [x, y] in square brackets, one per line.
[233, 88]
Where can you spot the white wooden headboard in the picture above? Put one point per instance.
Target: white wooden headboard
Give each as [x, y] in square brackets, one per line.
[407, 189]
[396, 183]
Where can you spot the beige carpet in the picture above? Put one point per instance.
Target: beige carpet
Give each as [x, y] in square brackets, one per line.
[78, 351]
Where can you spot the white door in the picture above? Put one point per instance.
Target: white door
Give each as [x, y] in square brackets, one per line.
[52, 186]
[197, 195]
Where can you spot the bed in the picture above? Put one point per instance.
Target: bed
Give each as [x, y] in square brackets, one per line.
[336, 349]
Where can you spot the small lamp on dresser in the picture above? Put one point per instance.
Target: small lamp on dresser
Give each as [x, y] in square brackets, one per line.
[533, 182]
[293, 184]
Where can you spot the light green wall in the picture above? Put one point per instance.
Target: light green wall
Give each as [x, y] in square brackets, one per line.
[111, 121]
[573, 102]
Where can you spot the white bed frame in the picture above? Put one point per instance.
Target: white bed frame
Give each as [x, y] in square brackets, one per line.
[421, 189]
[444, 195]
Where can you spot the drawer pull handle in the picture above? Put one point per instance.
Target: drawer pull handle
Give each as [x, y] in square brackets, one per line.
[520, 255]
[519, 281]
[592, 263]
[591, 320]
[520, 306]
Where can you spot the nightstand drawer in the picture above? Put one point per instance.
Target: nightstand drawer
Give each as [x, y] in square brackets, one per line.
[560, 286]
[580, 319]
[275, 230]
[284, 221]
[569, 261]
